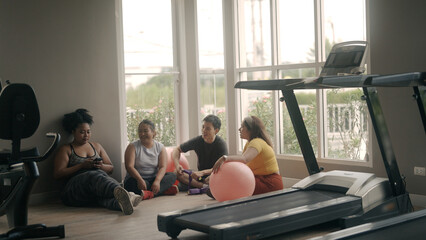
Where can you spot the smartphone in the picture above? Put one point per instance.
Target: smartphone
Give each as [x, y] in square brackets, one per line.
[97, 160]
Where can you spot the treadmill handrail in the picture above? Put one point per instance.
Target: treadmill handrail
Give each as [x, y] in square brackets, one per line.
[369, 84]
[400, 80]
[345, 81]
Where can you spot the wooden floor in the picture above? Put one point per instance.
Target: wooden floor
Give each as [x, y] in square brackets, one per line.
[100, 223]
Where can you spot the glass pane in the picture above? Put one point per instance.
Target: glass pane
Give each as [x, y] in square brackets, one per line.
[210, 42]
[254, 33]
[346, 130]
[296, 30]
[257, 103]
[213, 98]
[307, 105]
[344, 21]
[151, 97]
[148, 47]
[210, 34]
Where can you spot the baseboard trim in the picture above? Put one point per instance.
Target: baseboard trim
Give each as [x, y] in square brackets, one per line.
[289, 182]
[38, 198]
[418, 200]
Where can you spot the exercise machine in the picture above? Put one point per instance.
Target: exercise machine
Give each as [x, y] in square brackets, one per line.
[350, 198]
[19, 119]
[420, 96]
[406, 226]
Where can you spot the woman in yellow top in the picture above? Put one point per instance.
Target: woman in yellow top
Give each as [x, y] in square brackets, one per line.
[258, 155]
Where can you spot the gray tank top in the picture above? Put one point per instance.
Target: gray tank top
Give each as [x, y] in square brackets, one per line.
[146, 159]
[75, 159]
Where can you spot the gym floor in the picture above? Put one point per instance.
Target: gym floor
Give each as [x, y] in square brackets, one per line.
[100, 223]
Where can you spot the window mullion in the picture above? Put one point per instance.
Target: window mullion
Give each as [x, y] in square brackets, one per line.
[321, 124]
[319, 58]
[274, 40]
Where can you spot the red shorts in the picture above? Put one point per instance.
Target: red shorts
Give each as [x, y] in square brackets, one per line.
[268, 183]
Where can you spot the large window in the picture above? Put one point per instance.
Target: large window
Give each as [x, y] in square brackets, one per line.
[211, 61]
[291, 39]
[296, 31]
[168, 43]
[149, 67]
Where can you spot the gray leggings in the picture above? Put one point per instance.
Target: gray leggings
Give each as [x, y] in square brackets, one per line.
[91, 188]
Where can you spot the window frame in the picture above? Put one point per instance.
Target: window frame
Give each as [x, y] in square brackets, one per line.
[317, 65]
[184, 27]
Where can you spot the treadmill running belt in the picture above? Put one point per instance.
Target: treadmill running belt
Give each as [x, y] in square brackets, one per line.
[406, 226]
[287, 212]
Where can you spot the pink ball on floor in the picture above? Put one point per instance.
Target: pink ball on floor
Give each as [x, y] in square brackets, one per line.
[171, 165]
[233, 180]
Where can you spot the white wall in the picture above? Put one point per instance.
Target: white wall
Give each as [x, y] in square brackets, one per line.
[67, 51]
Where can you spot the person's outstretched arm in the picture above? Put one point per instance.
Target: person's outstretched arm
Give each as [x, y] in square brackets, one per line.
[129, 163]
[175, 158]
[162, 165]
[246, 157]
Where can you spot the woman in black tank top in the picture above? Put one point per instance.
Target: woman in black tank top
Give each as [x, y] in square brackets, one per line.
[82, 162]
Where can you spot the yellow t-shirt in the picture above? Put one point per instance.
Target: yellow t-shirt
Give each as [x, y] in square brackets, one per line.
[265, 162]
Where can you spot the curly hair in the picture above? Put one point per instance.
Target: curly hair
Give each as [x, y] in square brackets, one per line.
[72, 120]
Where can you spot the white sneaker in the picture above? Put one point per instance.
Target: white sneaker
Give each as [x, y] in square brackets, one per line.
[123, 199]
[135, 199]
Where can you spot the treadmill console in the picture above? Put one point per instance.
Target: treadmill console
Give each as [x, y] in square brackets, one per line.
[346, 58]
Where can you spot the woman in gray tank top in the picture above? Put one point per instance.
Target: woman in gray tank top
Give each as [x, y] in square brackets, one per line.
[146, 162]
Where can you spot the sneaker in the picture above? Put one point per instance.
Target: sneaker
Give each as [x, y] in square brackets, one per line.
[173, 190]
[147, 194]
[123, 199]
[135, 199]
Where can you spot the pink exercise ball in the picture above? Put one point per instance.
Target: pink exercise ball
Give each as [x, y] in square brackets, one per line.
[233, 180]
[171, 165]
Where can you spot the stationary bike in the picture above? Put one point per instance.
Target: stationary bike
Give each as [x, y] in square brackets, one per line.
[19, 119]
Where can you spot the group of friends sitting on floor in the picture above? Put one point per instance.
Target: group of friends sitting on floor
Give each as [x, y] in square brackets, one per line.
[85, 166]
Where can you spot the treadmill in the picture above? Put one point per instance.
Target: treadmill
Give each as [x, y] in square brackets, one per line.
[351, 198]
[408, 226]
[420, 96]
